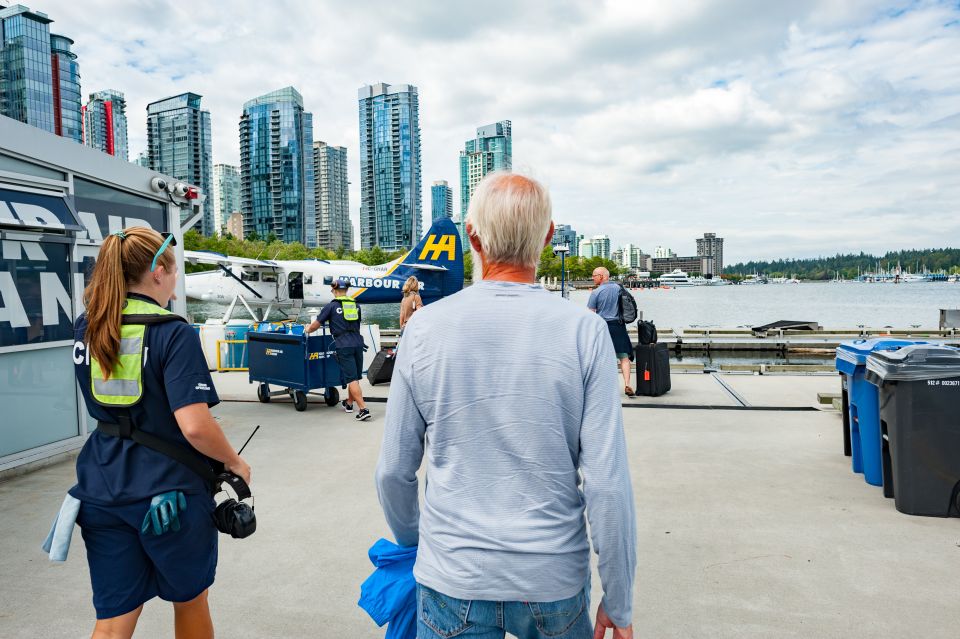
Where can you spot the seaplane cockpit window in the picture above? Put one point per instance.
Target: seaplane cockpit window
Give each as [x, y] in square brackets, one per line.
[252, 276]
[269, 277]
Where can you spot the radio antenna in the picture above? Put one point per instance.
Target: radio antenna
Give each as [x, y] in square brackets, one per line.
[248, 439]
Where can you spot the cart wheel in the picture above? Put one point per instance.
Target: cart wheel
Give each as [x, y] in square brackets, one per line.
[300, 401]
[331, 397]
[263, 393]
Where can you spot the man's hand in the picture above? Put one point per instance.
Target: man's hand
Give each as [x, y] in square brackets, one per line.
[604, 622]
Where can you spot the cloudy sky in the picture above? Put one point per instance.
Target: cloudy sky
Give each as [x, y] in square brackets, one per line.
[789, 128]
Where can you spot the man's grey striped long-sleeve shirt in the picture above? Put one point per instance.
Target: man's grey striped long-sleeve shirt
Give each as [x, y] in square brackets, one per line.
[510, 390]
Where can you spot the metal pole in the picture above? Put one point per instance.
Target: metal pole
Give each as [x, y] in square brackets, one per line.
[563, 274]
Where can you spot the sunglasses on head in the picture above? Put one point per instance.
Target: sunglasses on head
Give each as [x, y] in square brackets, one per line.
[168, 240]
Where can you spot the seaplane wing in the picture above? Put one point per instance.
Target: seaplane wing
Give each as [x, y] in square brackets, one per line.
[209, 257]
[436, 261]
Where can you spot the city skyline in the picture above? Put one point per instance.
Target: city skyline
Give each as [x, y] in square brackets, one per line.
[816, 129]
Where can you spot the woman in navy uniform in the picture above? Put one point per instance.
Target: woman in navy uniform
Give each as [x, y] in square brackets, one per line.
[146, 518]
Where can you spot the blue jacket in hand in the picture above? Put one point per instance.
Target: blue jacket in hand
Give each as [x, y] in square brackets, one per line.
[389, 595]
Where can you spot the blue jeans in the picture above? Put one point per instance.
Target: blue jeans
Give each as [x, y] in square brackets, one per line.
[441, 617]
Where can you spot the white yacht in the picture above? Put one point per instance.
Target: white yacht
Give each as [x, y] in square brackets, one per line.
[675, 279]
[716, 281]
[754, 279]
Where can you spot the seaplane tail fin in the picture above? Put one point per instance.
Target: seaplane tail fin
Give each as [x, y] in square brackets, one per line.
[437, 261]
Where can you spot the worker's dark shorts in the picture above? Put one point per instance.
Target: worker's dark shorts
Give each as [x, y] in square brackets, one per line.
[351, 363]
[128, 568]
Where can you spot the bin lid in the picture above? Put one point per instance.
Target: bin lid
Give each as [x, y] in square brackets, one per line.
[914, 363]
[856, 351]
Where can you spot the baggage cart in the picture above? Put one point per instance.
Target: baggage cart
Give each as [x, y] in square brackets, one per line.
[298, 364]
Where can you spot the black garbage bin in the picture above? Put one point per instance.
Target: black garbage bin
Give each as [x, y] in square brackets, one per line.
[919, 390]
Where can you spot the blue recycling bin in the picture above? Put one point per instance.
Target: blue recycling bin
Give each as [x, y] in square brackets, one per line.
[864, 403]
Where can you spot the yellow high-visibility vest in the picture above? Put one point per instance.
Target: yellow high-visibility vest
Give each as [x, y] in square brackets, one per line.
[124, 387]
[350, 311]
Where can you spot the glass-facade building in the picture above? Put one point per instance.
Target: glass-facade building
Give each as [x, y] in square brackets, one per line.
[226, 194]
[39, 74]
[441, 200]
[105, 123]
[390, 199]
[491, 150]
[276, 168]
[332, 197]
[67, 120]
[179, 145]
[564, 235]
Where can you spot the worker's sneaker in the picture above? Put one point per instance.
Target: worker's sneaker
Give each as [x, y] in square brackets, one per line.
[347, 406]
[363, 415]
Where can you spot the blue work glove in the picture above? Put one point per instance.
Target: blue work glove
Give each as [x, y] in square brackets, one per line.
[164, 513]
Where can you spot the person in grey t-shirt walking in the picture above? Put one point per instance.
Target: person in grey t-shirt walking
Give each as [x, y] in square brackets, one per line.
[508, 392]
[605, 302]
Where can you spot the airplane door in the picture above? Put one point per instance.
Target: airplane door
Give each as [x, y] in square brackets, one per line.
[295, 285]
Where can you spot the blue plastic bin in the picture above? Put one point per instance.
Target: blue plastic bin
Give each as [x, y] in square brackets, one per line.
[864, 403]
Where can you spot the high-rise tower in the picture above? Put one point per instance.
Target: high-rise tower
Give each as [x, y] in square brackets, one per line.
[390, 209]
[276, 168]
[332, 197]
[39, 75]
[710, 246]
[491, 150]
[179, 145]
[441, 200]
[105, 123]
[226, 194]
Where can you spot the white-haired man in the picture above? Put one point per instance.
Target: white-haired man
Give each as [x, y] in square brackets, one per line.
[513, 389]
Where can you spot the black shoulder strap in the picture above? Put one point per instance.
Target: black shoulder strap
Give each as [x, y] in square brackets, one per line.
[151, 319]
[127, 429]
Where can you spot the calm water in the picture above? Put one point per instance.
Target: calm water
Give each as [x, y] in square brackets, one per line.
[844, 305]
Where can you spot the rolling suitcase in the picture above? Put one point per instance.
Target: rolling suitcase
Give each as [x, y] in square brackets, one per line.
[381, 369]
[653, 369]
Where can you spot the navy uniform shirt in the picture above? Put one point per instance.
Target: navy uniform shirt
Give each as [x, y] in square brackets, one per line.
[346, 334]
[113, 471]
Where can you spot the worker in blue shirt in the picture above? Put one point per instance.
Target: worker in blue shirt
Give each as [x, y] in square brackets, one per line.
[343, 317]
[146, 518]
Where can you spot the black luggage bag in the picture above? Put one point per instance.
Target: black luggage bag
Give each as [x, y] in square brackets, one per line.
[653, 369]
[381, 369]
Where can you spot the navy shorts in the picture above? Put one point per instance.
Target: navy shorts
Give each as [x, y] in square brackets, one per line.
[351, 363]
[621, 341]
[128, 568]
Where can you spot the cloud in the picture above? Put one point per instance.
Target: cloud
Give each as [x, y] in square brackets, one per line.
[790, 129]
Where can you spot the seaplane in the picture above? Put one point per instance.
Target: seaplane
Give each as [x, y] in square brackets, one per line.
[288, 286]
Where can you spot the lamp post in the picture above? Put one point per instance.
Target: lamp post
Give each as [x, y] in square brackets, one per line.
[563, 249]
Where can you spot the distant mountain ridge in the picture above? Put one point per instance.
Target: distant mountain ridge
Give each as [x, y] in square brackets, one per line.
[849, 266]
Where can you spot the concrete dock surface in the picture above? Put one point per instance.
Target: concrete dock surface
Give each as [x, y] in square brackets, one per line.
[750, 524]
